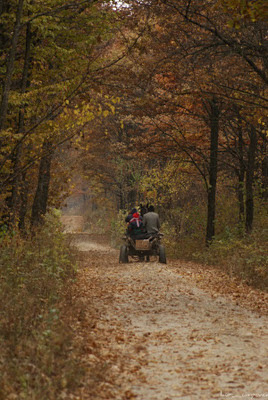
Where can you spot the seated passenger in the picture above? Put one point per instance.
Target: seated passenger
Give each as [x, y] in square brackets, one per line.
[135, 226]
[130, 215]
[151, 222]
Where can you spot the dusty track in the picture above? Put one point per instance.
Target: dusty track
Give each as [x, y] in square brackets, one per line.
[164, 338]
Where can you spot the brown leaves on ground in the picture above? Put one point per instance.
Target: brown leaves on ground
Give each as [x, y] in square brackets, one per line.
[97, 338]
[124, 344]
[218, 283]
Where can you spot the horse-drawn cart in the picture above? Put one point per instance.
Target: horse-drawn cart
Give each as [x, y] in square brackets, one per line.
[141, 248]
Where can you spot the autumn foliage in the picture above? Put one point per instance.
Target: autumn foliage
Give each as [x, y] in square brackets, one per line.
[161, 102]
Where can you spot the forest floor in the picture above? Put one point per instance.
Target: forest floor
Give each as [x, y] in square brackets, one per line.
[151, 331]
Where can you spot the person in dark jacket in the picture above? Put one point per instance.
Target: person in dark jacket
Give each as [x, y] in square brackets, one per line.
[151, 222]
[135, 226]
[130, 215]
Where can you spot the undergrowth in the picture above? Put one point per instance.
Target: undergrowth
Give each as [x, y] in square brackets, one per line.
[118, 228]
[243, 256]
[232, 250]
[35, 342]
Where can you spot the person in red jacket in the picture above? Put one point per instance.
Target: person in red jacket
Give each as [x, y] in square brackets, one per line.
[130, 215]
[135, 226]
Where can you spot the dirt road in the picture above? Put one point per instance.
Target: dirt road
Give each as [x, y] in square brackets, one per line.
[162, 337]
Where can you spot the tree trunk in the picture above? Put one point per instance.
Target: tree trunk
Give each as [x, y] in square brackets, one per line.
[10, 66]
[17, 156]
[241, 175]
[214, 136]
[121, 204]
[39, 207]
[23, 202]
[241, 178]
[4, 8]
[13, 204]
[132, 197]
[264, 170]
[250, 180]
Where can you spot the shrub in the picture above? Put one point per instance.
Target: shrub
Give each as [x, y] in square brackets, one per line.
[118, 228]
[232, 250]
[34, 340]
[245, 257]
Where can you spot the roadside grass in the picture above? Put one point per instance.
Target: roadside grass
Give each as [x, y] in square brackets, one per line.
[242, 256]
[37, 353]
[238, 254]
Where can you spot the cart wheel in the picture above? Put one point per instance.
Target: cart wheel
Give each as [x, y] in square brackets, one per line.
[123, 257]
[162, 254]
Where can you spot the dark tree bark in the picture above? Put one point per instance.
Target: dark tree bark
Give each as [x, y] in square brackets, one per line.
[121, 199]
[4, 8]
[241, 187]
[250, 180]
[17, 156]
[10, 66]
[23, 202]
[39, 207]
[213, 169]
[241, 176]
[132, 197]
[14, 198]
[264, 170]
[264, 165]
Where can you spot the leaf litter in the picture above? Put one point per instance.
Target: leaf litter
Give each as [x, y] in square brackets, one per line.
[179, 331]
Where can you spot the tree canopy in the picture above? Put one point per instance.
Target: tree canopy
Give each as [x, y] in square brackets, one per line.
[133, 95]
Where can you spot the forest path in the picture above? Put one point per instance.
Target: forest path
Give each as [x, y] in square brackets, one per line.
[163, 337]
